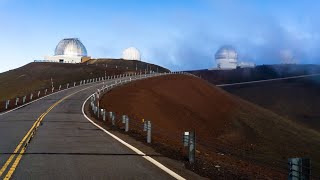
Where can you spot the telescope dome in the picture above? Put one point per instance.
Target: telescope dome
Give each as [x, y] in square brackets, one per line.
[131, 53]
[70, 47]
[226, 57]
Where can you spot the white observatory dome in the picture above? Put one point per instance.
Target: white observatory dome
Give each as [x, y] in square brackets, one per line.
[70, 47]
[227, 57]
[131, 53]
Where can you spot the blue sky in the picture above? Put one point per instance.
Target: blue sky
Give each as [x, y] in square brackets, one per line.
[177, 34]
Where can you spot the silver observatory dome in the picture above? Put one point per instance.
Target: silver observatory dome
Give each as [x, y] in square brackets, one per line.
[226, 52]
[70, 47]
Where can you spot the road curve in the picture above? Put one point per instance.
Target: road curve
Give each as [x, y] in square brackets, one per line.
[66, 145]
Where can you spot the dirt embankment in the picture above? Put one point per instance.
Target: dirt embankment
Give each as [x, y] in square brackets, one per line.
[234, 137]
[296, 99]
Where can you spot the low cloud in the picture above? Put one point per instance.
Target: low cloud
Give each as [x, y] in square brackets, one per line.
[258, 37]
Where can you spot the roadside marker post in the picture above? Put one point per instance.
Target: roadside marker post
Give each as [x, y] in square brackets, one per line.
[127, 124]
[190, 138]
[38, 93]
[59, 87]
[24, 99]
[103, 114]
[31, 95]
[74, 84]
[148, 128]
[17, 100]
[67, 85]
[125, 120]
[7, 103]
[299, 168]
[45, 92]
[113, 119]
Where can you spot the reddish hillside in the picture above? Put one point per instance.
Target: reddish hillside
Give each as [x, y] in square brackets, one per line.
[297, 99]
[252, 139]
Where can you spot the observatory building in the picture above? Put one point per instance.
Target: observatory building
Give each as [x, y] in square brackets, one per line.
[131, 53]
[69, 50]
[226, 57]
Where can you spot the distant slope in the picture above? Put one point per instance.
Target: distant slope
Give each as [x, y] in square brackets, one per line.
[296, 99]
[246, 134]
[259, 73]
[36, 76]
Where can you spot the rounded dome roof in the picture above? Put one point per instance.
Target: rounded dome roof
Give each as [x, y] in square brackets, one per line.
[70, 47]
[131, 53]
[227, 52]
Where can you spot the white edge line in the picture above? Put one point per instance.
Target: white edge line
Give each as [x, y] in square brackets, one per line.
[136, 150]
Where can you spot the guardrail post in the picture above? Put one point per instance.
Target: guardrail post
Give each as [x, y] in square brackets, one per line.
[113, 117]
[31, 95]
[299, 169]
[7, 103]
[189, 139]
[103, 114]
[98, 112]
[148, 128]
[125, 120]
[24, 99]
[17, 100]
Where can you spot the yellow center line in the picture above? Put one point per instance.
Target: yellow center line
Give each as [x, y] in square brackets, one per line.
[26, 138]
[18, 147]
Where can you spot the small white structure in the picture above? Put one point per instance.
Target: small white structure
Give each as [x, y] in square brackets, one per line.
[131, 53]
[247, 65]
[226, 57]
[69, 50]
[287, 57]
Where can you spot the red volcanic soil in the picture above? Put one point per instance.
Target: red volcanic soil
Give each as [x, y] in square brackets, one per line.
[244, 140]
[296, 99]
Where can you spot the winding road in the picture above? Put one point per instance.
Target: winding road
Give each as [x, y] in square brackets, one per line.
[66, 145]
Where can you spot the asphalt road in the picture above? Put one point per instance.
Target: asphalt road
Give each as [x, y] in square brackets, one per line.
[66, 145]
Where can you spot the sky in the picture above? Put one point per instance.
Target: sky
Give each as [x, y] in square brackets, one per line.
[177, 34]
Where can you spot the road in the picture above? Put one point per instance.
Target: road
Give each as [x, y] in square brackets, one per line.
[66, 145]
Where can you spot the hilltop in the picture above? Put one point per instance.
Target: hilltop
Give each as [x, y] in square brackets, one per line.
[37, 75]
